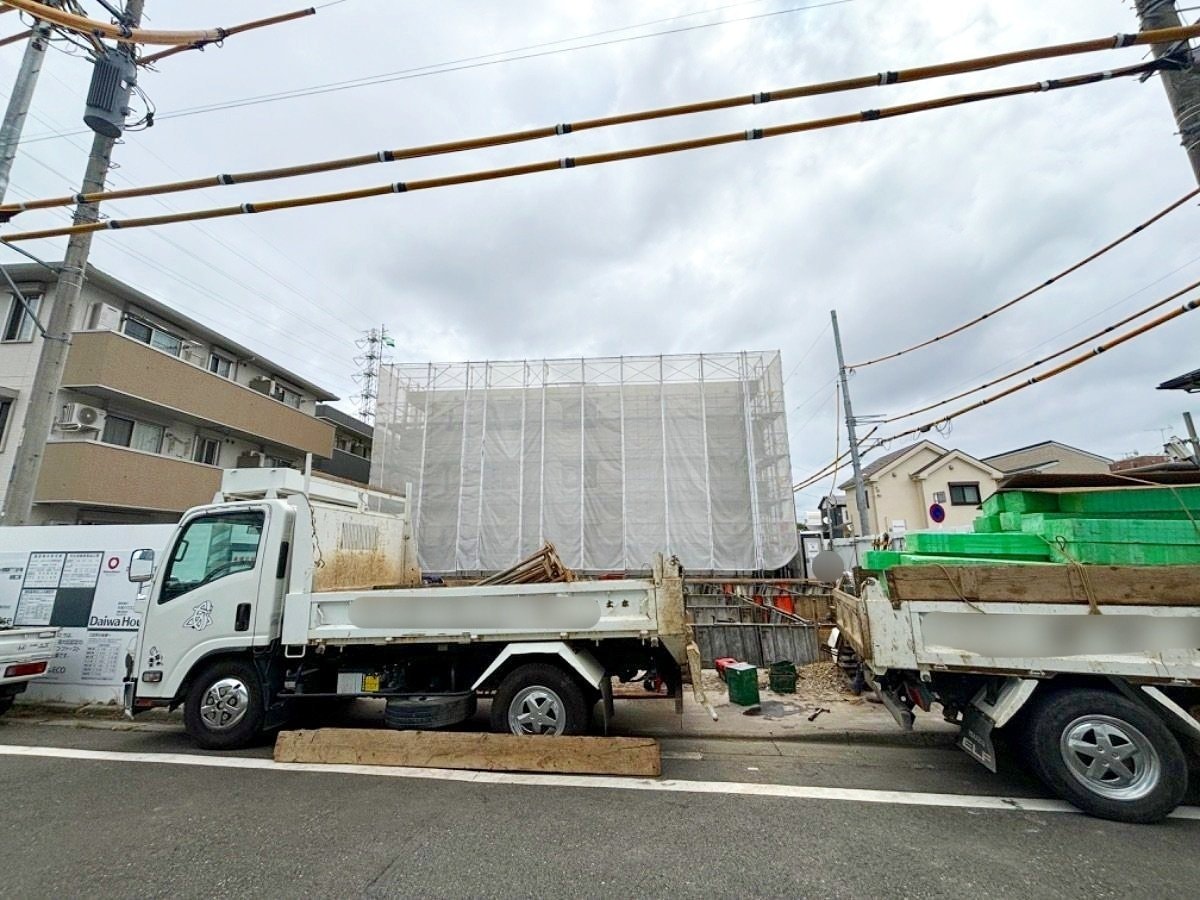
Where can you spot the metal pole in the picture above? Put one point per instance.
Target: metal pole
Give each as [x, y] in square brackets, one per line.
[52, 360]
[20, 99]
[1182, 84]
[860, 487]
[1193, 439]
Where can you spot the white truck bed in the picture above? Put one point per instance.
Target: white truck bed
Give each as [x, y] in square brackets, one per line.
[1144, 642]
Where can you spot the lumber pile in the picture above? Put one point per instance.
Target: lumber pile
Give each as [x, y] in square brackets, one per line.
[1135, 526]
[542, 567]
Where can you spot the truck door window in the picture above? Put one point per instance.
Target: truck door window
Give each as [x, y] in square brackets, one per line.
[210, 548]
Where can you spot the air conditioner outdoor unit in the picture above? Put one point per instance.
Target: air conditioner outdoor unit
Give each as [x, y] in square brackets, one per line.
[262, 384]
[80, 417]
[193, 353]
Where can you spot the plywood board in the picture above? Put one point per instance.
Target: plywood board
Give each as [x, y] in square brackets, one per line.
[460, 750]
[1115, 585]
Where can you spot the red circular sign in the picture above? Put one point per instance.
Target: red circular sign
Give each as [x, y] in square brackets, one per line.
[937, 513]
[113, 562]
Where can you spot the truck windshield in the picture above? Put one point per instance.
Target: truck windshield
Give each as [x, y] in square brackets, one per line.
[212, 547]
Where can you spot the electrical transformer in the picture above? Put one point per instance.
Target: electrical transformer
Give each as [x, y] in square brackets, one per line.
[113, 77]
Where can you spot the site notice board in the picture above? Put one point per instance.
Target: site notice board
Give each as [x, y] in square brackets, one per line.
[75, 577]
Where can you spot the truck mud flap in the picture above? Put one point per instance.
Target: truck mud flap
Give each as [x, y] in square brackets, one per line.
[975, 738]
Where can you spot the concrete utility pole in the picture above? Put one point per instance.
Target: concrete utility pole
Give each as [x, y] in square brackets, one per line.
[1182, 84]
[860, 487]
[43, 396]
[19, 100]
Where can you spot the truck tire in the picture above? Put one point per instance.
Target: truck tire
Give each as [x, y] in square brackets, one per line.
[6, 703]
[540, 698]
[428, 712]
[224, 707]
[1107, 755]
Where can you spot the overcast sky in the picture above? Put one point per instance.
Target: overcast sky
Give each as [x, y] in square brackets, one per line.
[906, 226]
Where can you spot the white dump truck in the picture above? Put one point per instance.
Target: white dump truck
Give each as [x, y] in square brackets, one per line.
[269, 603]
[25, 655]
[1092, 674]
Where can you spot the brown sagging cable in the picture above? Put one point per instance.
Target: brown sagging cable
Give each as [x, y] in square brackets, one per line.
[1045, 359]
[95, 28]
[228, 32]
[829, 87]
[824, 471]
[1057, 370]
[1045, 284]
[13, 38]
[580, 161]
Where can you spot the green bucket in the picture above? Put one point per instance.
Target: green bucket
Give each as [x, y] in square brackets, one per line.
[782, 677]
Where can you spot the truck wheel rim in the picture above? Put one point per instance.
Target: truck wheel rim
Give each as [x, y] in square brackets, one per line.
[536, 710]
[224, 704]
[1110, 757]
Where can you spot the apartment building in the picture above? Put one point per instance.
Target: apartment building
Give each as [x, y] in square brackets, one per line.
[153, 405]
[352, 438]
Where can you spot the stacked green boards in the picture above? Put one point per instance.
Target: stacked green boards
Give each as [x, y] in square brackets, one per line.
[1121, 527]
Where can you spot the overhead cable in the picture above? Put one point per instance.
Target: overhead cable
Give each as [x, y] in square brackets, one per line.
[1029, 293]
[750, 134]
[228, 32]
[1051, 373]
[824, 471]
[920, 73]
[97, 29]
[1045, 359]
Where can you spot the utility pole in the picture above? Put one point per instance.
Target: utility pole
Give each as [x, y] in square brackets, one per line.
[19, 100]
[43, 395]
[860, 487]
[1182, 83]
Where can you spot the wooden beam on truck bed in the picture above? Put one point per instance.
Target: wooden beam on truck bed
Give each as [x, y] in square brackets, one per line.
[559, 754]
[1109, 585]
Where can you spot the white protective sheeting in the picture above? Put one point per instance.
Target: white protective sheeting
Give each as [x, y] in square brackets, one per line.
[612, 459]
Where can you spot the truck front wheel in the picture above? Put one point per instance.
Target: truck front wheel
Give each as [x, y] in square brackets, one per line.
[224, 706]
[1109, 756]
[539, 698]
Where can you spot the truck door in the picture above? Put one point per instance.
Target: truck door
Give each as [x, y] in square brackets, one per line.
[212, 582]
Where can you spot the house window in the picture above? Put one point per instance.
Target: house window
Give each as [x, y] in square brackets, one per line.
[220, 365]
[155, 337]
[6, 405]
[207, 451]
[965, 494]
[285, 395]
[19, 324]
[122, 432]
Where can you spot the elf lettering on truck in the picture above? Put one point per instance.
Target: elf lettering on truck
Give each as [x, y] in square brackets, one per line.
[234, 630]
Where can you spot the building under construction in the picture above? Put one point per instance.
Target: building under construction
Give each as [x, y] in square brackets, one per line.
[612, 459]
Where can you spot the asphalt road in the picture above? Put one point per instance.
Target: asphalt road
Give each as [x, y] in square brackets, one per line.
[112, 827]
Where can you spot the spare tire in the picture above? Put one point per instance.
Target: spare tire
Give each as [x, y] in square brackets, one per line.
[432, 711]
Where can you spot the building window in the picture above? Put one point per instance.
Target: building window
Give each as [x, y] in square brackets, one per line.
[207, 451]
[965, 494]
[155, 337]
[6, 405]
[122, 432]
[285, 395]
[19, 324]
[220, 365]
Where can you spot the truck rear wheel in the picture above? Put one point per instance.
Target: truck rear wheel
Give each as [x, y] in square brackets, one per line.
[6, 704]
[1108, 755]
[224, 706]
[540, 698]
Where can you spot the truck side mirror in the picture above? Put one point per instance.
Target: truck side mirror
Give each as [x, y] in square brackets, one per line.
[141, 566]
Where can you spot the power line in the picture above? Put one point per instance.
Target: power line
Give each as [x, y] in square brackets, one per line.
[475, 62]
[807, 354]
[1051, 373]
[377, 157]
[1065, 350]
[1029, 293]
[592, 159]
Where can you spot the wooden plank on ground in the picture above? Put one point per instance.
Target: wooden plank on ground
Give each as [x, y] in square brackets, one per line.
[461, 750]
[1111, 585]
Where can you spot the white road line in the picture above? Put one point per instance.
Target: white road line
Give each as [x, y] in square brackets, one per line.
[786, 791]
